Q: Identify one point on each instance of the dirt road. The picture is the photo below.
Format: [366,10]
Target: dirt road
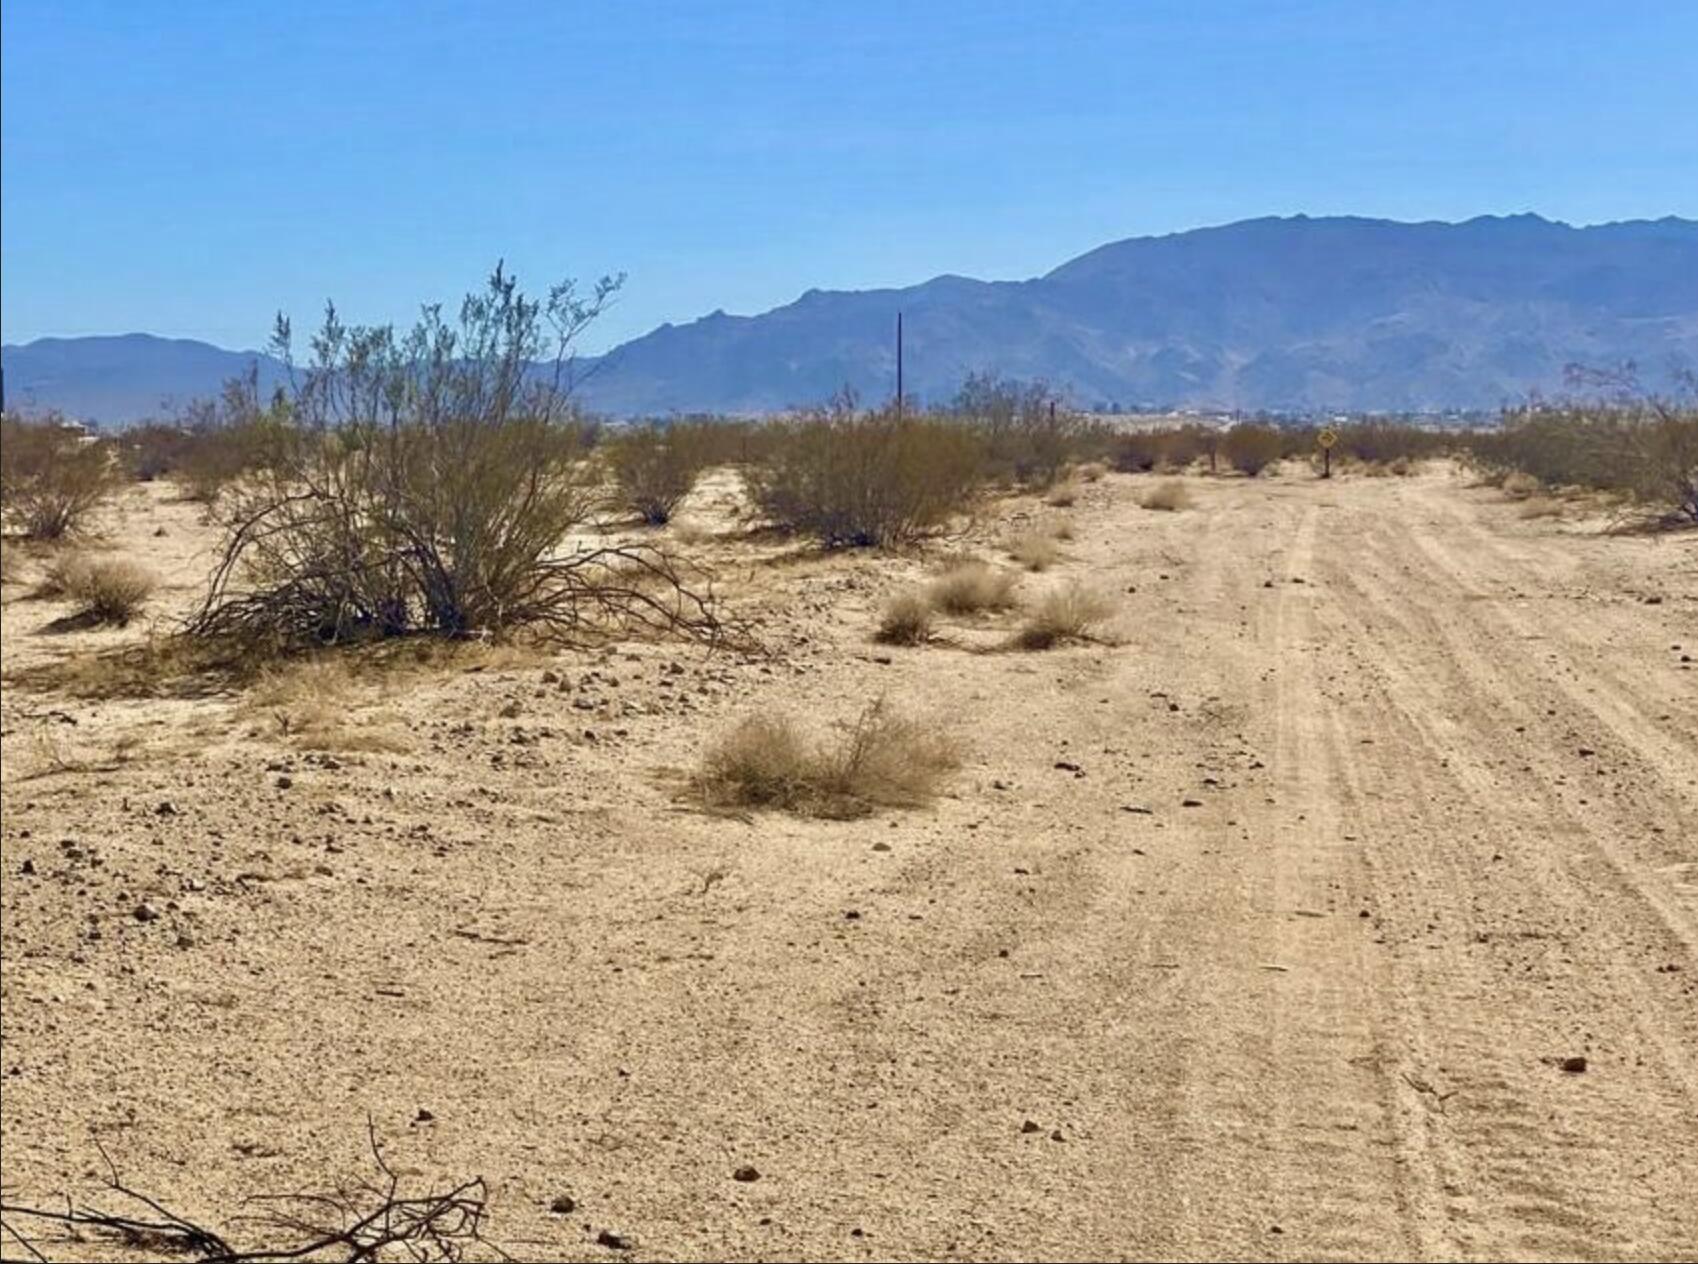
[1263,933]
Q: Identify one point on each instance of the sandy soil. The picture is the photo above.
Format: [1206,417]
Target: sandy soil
[1259,934]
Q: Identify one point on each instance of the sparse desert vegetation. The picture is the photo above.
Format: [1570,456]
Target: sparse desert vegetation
[642,818]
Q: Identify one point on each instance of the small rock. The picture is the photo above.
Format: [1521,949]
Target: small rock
[165,808]
[564,1205]
[745,1174]
[28,866]
[1575,1065]
[145,912]
[881,846]
[1190,803]
[285,781]
[612,1241]
[1586,752]
[424,1116]
[1030,1126]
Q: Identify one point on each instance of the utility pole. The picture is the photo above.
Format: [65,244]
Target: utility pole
[899,368]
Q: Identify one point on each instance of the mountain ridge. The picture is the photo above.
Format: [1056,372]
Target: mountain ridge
[1295,313]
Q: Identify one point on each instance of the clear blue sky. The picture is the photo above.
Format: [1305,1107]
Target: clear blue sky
[188,168]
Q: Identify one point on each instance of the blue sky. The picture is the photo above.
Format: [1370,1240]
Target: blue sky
[189,168]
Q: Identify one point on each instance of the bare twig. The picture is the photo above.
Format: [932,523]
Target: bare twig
[367,1221]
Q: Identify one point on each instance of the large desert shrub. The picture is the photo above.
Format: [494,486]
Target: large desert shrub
[153,449]
[428,482]
[1668,469]
[881,760]
[1250,447]
[52,476]
[853,479]
[655,465]
[1029,436]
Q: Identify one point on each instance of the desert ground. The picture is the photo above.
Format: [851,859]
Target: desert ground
[1263,928]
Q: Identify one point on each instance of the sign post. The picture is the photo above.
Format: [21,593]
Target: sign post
[1326,439]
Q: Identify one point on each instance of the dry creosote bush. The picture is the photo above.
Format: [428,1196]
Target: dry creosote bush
[432,483]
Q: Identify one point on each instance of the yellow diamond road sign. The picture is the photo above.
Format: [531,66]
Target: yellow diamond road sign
[1327,437]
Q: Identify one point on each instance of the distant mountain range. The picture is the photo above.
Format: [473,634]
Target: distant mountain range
[1297,314]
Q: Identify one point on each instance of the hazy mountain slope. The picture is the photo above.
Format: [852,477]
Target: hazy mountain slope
[1280,313]
[122,378]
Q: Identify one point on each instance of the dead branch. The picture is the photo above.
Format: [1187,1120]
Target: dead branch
[360,1223]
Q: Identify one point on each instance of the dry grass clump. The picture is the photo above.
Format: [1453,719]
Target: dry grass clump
[1540,507]
[882,760]
[1066,614]
[1170,497]
[907,620]
[1091,472]
[106,591]
[1033,551]
[1519,486]
[1061,529]
[1063,496]
[970,587]
[317,703]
